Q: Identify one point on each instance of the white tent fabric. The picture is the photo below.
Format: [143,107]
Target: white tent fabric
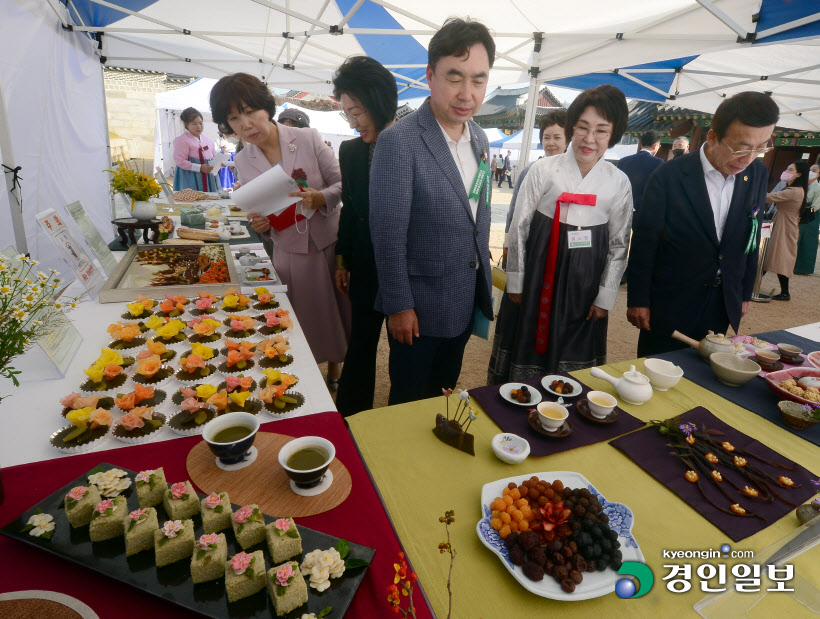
[53,92]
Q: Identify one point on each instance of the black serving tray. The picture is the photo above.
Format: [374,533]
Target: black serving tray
[173,582]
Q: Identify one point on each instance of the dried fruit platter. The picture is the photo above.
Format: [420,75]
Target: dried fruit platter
[594,583]
[157,270]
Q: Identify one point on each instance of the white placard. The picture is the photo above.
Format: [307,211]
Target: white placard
[93,237]
[217,162]
[267,194]
[80,262]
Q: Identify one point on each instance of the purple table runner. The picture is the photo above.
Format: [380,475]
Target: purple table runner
[512,418]
[649,450]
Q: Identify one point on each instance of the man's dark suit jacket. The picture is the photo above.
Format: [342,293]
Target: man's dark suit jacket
[354,224]
[638,168]
[676,254]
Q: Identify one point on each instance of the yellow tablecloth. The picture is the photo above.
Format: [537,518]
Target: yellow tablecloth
[419,478]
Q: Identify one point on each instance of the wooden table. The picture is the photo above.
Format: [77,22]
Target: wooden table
[128,225]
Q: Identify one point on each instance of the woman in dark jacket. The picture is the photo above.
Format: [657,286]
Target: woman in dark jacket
[367,92]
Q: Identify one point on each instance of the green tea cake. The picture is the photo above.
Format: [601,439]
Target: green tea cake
[174,541]
[283,538]
[210,555]
[287,587]
[244,575]
[80,503]
[107,519]
[180,501]
[151,487]
[140,525]
[216,512]
[248,526]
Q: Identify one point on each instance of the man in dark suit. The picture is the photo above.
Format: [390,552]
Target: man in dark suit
[639,167]
[694,246]
[430,217]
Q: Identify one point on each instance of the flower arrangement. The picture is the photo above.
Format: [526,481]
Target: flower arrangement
[133,183]
[29,308]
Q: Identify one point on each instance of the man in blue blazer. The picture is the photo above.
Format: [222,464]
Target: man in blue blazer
[430,237]
[694,252]
[639,167]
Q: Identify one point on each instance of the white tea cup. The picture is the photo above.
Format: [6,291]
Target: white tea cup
[551,415]
[600,403]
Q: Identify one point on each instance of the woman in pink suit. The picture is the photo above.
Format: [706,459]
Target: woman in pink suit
[192,152]
[303,252]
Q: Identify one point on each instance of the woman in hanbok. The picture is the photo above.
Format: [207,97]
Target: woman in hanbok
[192,152]
[303,248]
[563,272]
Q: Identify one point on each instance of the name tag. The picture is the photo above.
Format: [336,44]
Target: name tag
[580,238]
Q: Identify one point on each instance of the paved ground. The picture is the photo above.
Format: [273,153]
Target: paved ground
[622,341]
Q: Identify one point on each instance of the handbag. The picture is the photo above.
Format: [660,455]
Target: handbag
[807,215]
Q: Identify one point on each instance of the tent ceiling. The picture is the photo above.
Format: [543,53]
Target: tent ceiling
[292,43]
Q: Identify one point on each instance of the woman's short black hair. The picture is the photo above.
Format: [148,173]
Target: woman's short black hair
[553,117]
[609,102]
[189,114]
[237,90]
[367,81]
[456,37]
[755,109]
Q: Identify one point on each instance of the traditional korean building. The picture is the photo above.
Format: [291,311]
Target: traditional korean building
[505,108]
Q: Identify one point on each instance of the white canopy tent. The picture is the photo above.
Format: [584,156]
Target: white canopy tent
[299,45]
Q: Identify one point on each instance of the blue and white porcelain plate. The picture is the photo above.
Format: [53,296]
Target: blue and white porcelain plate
[595,584]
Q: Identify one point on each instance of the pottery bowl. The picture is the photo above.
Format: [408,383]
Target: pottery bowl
[312,477]
[233,452]
[662,374]
[510,448]
[766,358]
[773,379]
[814,358]
[789,351]
[733,370]
[791,413]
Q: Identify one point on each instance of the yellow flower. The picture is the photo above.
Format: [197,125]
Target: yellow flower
[239,397]
[154,322]
[170,329]
[273,376]
[230,301]
[80,416]
[206,352]
[109,357]
[5,290]
[95,372]
[260,290]
[135,309]
[205,391]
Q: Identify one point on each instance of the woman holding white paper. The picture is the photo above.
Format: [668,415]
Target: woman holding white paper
[304,248]
[192,154]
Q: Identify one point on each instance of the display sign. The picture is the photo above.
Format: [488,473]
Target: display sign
[92,237]
[80,262]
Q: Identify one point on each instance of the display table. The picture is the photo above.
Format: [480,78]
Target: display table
[34,409]
[360,518]
[420,477]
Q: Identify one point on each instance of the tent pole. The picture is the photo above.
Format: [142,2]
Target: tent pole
[111,206]
[15,199]
[532,105]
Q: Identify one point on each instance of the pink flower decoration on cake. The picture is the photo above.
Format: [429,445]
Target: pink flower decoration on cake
[130,421]
[192,405]
[283,524]
[69,399]
[101,416]
[144,354]
[212,500]
[284,574]
[243,514]
[171,528]
[195,321]
[179,489]
[231,382]
[138,513]
[241,562]
[203,304]
[207,540]
[144,476]
[237,325]
[104,505]
[89,401]
[77,493]
[188,392]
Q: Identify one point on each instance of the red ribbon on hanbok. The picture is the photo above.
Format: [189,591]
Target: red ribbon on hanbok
[542,332]
[204,174]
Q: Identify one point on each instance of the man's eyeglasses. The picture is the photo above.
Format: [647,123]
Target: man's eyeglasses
[598,134]
[353,117]
[737,154]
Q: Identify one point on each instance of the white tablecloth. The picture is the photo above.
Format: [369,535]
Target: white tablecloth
[31,413]
[810,332]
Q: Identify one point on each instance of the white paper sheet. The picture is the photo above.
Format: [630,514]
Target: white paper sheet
[217,162]
[267,194]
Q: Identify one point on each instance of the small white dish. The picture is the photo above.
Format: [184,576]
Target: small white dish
[662,374]
[576,386]
[510,448]
[535,395]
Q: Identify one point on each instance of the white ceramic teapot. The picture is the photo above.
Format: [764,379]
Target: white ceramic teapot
[633,387]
